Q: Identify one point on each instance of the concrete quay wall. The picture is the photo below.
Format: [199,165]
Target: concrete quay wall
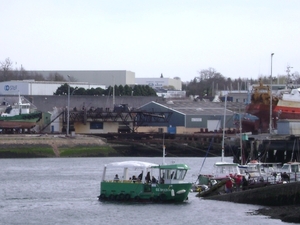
[273,195]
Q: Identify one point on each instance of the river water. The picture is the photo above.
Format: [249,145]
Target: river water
[64,191]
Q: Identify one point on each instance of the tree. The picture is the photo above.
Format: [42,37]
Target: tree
[6,65]
[62,90]
[81,91]
[6,69]
[208,81]
[121,90]
[127,90]
[55,77]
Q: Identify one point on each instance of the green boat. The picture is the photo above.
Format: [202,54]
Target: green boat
[19,116]
[155,183]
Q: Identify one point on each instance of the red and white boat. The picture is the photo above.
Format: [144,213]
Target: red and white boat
[260,108]
[288,106]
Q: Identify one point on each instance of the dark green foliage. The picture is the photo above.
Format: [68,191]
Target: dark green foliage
[86,151]
[26,152]
[137,90]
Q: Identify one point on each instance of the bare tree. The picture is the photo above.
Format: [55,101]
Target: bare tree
[55,77]
[6,65]
[6,69]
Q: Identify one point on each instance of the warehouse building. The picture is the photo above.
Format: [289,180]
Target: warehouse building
[189,116]
[103,77]
[31,87]
[158,83]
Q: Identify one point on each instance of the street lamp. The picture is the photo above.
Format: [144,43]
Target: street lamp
[68,110]
[270,123]
[224,124]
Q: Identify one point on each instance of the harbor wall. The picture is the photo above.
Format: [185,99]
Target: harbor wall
[273,195]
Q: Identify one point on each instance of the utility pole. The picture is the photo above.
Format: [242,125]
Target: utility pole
[270,123]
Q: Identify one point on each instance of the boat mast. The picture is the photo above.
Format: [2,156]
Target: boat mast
[20,104]
[223,139]
[241,142]
[164,149]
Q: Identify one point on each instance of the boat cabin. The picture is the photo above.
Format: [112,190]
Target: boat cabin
[17,109]
[171,174]
[262,172]
[224,169]
[292,169]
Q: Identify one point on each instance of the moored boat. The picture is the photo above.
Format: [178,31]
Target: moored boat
[215,182]
[19,116]
[221,173]
[250,123]
[288,106]
[291,171]
[261,174]
[156,183]
[260,108]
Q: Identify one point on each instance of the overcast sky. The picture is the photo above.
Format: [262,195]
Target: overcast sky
[176,38]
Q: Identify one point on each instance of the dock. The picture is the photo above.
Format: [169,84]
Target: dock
[272,195]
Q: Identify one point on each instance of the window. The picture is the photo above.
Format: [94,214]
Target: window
[96,126]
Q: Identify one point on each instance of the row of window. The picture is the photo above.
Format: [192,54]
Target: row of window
[96,125]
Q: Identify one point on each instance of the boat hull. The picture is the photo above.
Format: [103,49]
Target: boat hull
[287,110]
[130,191]
[262,111]
[23,121]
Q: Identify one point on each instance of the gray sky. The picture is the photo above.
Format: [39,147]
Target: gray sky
[177,38]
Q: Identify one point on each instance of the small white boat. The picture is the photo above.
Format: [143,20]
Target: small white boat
[258,172]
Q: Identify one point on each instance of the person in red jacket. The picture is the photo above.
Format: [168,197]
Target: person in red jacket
[228,185]
[238,182]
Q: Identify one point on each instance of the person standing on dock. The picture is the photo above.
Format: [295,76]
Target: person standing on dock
[228,185]
[238,182]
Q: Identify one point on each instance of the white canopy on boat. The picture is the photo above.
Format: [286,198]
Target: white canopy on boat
[131,164]
[126,166]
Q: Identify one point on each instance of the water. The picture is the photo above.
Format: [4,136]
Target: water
[65,190]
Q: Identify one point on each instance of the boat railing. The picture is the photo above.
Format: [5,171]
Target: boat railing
[294,176]
[122,181]
[141,182]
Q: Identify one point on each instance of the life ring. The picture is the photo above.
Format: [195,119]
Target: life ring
[156,199]
[102,197]
[121,197]
[127,197]
[112,197]
[162,197]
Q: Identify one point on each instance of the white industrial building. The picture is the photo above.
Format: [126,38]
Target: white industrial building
[87,80]
[104,77]
[31,87]
[113,77]
[157,83]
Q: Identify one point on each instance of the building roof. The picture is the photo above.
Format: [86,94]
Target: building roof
[190,107]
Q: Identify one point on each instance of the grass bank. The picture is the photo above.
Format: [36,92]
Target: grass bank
[95,151]
[35,146]
[47,151]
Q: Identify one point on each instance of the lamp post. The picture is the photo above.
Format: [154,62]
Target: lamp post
[68,109]
[224,124]
[270,123]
